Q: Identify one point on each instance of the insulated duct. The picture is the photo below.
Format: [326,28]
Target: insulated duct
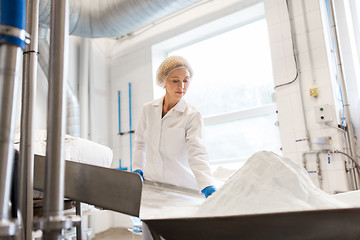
[113,18]
[73,108]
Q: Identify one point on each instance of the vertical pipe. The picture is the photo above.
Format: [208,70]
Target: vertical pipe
[297,67]
[350,128]
[55,162]
[119,112]
[12,14]
[84,87]
[26,165]
[10,59]
[78,227]
[130,126]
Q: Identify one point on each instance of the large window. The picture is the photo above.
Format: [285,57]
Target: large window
[232,70]
[232,87]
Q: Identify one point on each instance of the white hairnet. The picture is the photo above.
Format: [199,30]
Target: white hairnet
[169,65]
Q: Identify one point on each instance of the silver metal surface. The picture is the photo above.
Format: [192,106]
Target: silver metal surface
[315,225]
[15,32]
[10,60]
[55,164]
[173,188]
[8,228]
[57,222]
[107,188]
[161,200]
[113,18]
[26,164]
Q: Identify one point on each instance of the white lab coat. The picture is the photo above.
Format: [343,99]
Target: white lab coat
[171,149]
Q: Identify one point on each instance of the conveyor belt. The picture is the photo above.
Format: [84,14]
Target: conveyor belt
[110,189]
[302,225]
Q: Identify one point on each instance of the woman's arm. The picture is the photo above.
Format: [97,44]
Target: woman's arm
[198,156]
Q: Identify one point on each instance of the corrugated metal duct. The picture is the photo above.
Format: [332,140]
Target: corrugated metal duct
[113,18]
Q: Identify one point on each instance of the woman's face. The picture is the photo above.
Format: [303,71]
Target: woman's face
[177,83]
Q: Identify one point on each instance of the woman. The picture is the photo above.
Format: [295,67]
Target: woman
[168,145]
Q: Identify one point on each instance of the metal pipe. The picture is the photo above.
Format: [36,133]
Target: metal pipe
[119,112]
[78,227]
[130,127]
[55,164]
[318,165]
[84,87]
[350,157]
[12,42]
[10,59]
[319,173]
[298,72]
[350,128]
[26,165]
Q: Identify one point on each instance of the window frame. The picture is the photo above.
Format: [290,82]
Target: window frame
[241,18]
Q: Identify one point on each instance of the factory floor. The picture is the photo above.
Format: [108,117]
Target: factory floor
[117,234]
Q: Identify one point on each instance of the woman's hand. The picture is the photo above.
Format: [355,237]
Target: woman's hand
[208,191]
[138,171]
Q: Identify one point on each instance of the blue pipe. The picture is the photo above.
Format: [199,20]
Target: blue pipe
[130,127]
[13,14]
[119,112]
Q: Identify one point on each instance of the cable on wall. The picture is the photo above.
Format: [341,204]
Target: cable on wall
[294,54]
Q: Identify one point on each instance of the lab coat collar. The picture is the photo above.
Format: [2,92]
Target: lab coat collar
[180,106]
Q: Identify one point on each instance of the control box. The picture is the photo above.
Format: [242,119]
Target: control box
[323,113]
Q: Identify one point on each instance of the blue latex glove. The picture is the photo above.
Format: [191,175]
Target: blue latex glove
[138,171]
[208,191]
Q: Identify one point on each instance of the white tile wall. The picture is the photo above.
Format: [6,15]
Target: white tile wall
[275,32]
[314,20]
[337,180]
[314,72]
[311,5]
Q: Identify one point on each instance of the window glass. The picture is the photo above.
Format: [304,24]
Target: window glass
[241,138]
[232,70]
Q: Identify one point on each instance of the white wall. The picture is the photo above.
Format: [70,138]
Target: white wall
[136,69]
[295,105]
[99,97]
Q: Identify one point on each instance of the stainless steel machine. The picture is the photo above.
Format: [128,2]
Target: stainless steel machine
[315,225]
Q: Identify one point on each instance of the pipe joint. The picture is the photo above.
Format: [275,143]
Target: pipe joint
[14,36]
[8,228]
[13,22]
[57,222]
